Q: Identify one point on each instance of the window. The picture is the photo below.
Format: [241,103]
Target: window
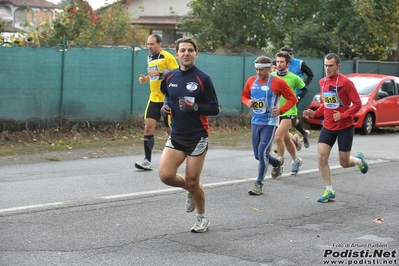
[397,87]
[388,87]
[169,36]
[158,32]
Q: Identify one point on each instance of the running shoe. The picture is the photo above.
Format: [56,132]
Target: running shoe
[281,170]
[297,142]
[256,189]
[190,205]
[364,167]
[327,196]
[306,139]
[201,225]
[143,165]
[295,166]
[276,170]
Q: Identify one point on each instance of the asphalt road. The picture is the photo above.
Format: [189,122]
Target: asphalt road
[104,212]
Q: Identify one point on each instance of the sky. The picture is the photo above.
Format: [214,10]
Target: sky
[95,4]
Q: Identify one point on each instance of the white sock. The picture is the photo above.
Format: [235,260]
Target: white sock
[330,188]
[359,162]
[200,215]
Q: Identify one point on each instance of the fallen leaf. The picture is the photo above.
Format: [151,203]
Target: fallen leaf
[254,209]
[378,220]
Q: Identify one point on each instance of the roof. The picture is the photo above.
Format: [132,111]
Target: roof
[31,3]
[369,75]
[157,20]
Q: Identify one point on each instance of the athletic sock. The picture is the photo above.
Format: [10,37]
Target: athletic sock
[148,146]
[300,128]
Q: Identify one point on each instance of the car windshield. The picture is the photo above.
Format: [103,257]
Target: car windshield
[364,85]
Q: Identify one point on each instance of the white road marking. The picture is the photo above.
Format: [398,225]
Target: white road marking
[161,191]
[37,206]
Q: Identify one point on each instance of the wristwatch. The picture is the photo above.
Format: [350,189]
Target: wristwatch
[195,107]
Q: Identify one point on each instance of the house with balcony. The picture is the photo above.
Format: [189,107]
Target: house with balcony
[15,13]
[162,17]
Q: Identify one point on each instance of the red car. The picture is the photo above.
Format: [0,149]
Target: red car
[380,102]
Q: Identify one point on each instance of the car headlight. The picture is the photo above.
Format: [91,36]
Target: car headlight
[316,98]
[364,100]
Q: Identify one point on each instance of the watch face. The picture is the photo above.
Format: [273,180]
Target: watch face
[195,107]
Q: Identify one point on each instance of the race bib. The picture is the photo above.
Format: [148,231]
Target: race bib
[331,100]
[153,68]
[259,106]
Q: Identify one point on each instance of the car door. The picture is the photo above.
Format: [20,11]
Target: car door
[388,107]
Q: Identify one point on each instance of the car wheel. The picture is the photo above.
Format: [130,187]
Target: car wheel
[368,124]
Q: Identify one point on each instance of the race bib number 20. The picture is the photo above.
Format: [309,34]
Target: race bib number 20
[259,107]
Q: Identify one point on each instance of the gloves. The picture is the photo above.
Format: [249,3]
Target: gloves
[165,110]
[187,106]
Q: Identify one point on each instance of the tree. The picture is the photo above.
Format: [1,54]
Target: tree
[84,27]
[287,22]
[381,19]
[115,27]
[217,23]
[355,29]
[39,34]
[64,3]
[77,22]
[364,29]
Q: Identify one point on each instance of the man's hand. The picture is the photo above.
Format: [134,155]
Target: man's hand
[250,103]
[143,79]
[336,116]
[308,113]
[187,106]
[165,110]
[276,111]
[154,72]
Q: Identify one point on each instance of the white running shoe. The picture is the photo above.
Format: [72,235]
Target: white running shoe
[143,165]
[201,225]
[256,189]
[306,139]
[295,166]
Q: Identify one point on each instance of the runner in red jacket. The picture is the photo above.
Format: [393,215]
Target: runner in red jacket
[340,102]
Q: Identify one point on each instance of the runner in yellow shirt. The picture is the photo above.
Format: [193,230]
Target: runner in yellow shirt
[159,63]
